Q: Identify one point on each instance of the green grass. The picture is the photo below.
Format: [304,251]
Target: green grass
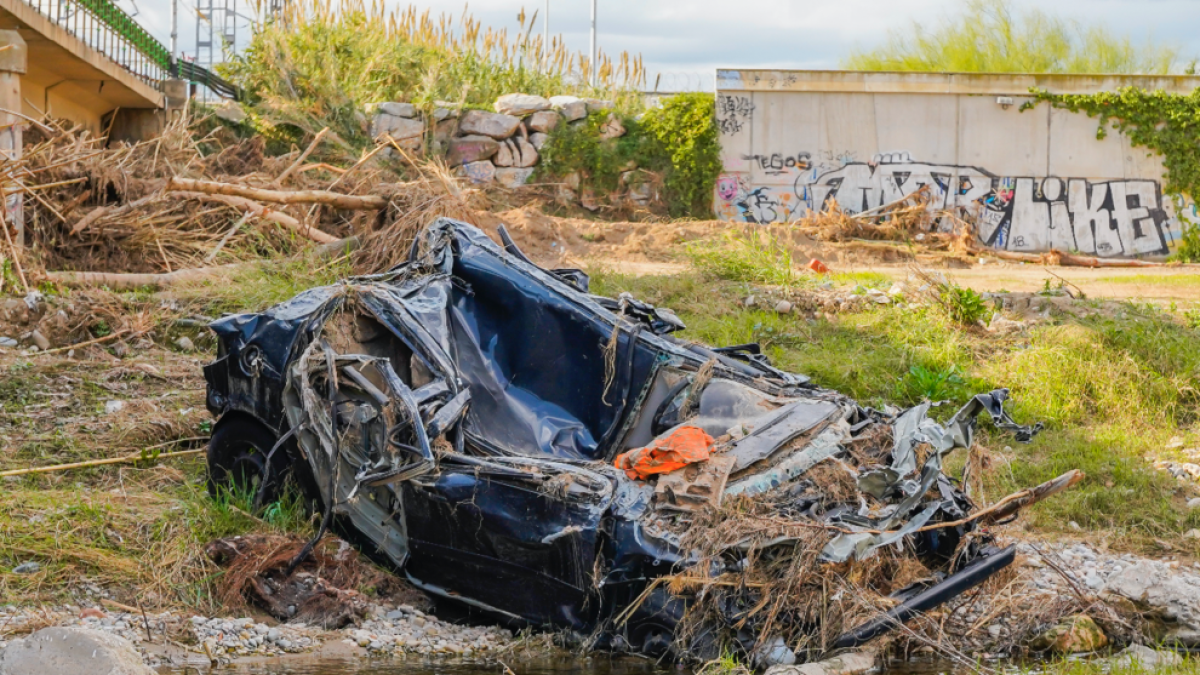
[868,279]
[752,256]
[1110,390]
[257,286]
[1189,666]
[1172,280]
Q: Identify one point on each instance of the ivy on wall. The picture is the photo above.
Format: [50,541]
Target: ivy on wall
[678,141]
[1166,123]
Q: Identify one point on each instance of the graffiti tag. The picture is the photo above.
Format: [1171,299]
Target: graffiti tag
[733,113]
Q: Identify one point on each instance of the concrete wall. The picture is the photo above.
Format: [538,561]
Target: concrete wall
[792,141]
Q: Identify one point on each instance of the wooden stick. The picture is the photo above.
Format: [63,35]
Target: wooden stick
[278,182]
[128,459]
[228,235]
[12,249]
[101,211]
[116,605]
[357,164]
[334,199]
[258,210]
[85,343]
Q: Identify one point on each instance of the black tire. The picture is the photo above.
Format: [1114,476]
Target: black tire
[237,456]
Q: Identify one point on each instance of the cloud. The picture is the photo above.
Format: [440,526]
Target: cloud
[692,39]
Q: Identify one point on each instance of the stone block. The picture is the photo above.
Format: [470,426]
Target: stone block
[483,123]
[516,152]
[398,109]
[470,149]
[598,105]
[612,128]
[572,107]
[479,172]
[398,128]
[513,177]
[543,121]
[538,140]
[521,104]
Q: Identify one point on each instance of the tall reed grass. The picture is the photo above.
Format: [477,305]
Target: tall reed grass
[323,60]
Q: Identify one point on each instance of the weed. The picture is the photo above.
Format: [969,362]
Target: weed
[966,305]
[753,257]
[932,384]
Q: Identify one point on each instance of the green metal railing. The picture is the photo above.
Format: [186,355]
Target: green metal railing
[106,28]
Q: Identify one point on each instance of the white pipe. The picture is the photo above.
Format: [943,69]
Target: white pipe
[174,31]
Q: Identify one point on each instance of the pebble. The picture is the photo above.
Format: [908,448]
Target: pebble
[27,568]
[185,343]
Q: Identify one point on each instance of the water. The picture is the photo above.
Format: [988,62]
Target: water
[564,665]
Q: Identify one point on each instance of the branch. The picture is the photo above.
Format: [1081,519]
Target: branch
[258,210]
[334,199]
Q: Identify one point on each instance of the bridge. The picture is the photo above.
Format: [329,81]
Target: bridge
[89,62]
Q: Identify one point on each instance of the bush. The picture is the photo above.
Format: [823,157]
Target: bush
[327,59]
[677,141]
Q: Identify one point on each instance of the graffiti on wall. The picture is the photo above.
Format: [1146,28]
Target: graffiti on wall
[1019,213]
[734,113]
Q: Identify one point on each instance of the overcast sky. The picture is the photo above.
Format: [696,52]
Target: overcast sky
[687,39]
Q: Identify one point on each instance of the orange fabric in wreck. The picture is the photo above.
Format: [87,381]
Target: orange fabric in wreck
[685,445]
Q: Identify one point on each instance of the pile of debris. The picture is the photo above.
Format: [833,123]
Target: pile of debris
[199,196]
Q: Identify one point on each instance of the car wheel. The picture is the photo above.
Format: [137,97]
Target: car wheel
[237,457]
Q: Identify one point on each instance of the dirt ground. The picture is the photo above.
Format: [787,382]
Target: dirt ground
[645,249]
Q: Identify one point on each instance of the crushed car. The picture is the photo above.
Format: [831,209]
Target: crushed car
[506,440]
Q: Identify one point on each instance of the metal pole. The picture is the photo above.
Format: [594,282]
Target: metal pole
[546,34]
[593,49]
[174,32]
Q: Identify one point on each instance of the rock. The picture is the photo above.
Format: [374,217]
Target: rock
[516,152]
[399,128]
[1193,503]
[113,407]
[538,141]
[1073,635]
[612,128]
[30,567]
[185,343]
[598,105]
[440,114]
[1148,659]
[8,342]
[526,155]
[40,340]
[571,107]
[774,653]
[852,663]
[513,177]
[1155,587]
[397,109]
[543,120]
[587,199]
[231,112]
[521,104]
[641,193]
[72,651]
[92,613]
[1192,534]
[470,149]
[479,172]
[783,307]
[494,125]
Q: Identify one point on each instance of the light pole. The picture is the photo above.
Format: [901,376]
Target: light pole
[174,35]
[595,71]
[546,33]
